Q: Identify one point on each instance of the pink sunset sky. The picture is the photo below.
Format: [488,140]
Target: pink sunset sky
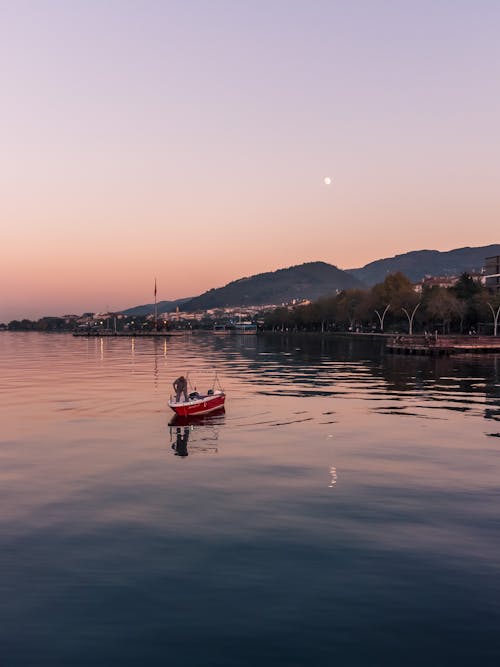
[189,140]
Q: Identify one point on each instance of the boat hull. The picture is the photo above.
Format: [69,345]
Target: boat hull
[201,406]
[198,420]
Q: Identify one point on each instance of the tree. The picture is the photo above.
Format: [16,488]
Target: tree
[352,306]
[393,294]
[466,287]
[483,306]
[395,290]
[443,304]
[280,318]
[14,325]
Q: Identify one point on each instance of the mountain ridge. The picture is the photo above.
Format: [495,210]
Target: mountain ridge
[302,281]
[312,280]
[148,308]
[416,264]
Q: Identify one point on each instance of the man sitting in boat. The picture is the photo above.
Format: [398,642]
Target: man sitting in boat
[180,387]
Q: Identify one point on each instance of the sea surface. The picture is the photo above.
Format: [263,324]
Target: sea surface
[345,510]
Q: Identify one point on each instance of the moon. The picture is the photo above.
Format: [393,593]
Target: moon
[327,180]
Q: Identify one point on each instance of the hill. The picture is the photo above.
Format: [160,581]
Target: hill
[305,281]
[148,308]
[419,263]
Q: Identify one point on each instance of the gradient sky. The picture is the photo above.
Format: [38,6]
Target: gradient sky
[189,140]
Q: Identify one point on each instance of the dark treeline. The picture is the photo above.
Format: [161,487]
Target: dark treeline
[43,324]
[69,324]
[395,306]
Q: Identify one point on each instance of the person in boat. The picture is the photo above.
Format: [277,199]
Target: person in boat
[180,387]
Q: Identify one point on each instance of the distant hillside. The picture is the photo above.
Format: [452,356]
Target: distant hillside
[315,279]
[420,263]
[148,308]
[306,281]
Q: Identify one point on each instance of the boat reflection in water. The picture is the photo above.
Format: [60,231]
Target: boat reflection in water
[181,441]
[202,433]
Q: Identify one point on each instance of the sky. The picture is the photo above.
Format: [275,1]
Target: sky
[189,140]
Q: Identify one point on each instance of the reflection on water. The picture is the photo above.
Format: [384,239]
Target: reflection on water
[345,508]
[181,441]
[201,431]
[333,475]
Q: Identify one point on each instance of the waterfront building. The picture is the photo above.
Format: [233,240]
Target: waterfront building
[492,272]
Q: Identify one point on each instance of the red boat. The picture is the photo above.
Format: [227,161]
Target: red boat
[198,404]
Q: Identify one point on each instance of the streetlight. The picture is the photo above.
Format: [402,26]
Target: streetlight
[381,317]
[495,317]
[410,318]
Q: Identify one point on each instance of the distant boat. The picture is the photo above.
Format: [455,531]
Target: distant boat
[245,328]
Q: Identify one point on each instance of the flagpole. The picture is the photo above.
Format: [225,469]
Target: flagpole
[156,311]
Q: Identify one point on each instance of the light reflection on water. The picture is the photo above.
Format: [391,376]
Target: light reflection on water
[345,508]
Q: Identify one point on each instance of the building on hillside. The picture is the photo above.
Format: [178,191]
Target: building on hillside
[86,318]
[478,277]
[294,303]
[492,272]
[435,281]
[447,281]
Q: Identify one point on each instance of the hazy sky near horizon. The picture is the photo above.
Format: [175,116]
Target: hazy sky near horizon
[189,140]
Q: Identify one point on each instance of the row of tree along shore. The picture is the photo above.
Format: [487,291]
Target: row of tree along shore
[393,306]
[115,324]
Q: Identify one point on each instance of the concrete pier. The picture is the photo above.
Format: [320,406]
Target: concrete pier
[435,346]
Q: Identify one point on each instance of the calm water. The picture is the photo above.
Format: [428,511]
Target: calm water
[344,511]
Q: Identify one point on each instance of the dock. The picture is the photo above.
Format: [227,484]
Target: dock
[131,334]
[436,346]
